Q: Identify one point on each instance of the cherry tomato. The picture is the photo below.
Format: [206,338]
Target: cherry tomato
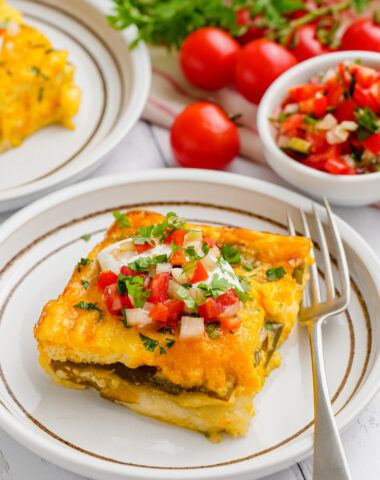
[308,44]
[106,278]
[160,285]
[178,257]
[253,32]
[202,136]
[363,34]
[207,58]
[259,64]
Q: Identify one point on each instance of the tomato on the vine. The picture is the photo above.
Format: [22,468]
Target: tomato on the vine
[202,136]
[254,31]
[307,44]
[259,64]
[208,58]
[363,34]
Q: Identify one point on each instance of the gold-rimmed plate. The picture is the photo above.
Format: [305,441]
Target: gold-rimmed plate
[81,431]
[114,81]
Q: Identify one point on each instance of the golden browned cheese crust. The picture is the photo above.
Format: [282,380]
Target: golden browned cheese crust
[65,333]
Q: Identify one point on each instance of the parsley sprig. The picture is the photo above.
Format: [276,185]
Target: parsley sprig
[133,286]
[142,264]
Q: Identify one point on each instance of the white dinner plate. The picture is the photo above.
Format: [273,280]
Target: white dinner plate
[80,431]
[114,81]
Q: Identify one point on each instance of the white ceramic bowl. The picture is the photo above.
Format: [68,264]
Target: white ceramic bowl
[339,189]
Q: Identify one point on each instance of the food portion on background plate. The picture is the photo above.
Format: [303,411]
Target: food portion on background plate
[331,123]
[176,321]
[36,82]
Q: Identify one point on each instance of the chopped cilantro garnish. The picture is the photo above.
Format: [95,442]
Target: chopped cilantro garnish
[123,219]
[160,229]
[211,330]
[249,268]
[124,318]
[230,254]
[90,306]
[165,330]
[244,282]
[134,286]
[368,122]
[187,285]
[37,71]
[310,120]
[144,236]
[85,283]
[162,350]
[269,325]
[40,94]
[205,248]
[188,300]
[149,343]
[86,237]
[244,297]
[219,285]
[175,248]
[191,253]
[275,273]
[170,342]
[83,262]
[142,263]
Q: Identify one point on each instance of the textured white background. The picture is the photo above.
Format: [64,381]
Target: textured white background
[148,147]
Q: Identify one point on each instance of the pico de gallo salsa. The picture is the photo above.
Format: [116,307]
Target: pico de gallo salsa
[332,123]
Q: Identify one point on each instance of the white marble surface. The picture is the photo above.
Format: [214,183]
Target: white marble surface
[148,147]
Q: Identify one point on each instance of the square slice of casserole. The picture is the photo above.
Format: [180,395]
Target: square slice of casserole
[36,82]
[175,321]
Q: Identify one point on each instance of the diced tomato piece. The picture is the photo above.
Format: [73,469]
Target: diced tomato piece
[317,140]
[230,323]
[175,307]
[128,272]
[345,110]
[210,242]
[337,166]
[126,301]
[159,313]
[334,94]
[318,160]
[292,122]
[365,76]
[144,247]
[304,92]
[227,299]
[317,106]
[112,299]
[209,309]
[106,278]
[159,287]
[364,98]
[200,273]
[344,75]
[176,237]
[373,143]
[178,257]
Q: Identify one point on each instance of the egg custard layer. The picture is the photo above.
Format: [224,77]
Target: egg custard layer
[178,322]
[36,82]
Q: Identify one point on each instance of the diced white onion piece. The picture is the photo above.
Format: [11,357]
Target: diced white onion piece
[196,294]
[209,262]
[148,307]
[327,122]
[195,236]
[137,316]
[283,141]
[164,267]
[127,246]
[191,327]
[231,310]
[13,28]
[215,251]
[291,108]
[349,160]
[179,276]
[173,287]
[329,74]
[349,125]
[375,90]
[336,135]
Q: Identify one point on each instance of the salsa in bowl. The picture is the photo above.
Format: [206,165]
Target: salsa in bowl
[320,126]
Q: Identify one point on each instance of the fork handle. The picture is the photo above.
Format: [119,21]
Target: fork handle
[329,459]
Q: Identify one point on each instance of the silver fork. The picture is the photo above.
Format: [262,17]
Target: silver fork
[329,459]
